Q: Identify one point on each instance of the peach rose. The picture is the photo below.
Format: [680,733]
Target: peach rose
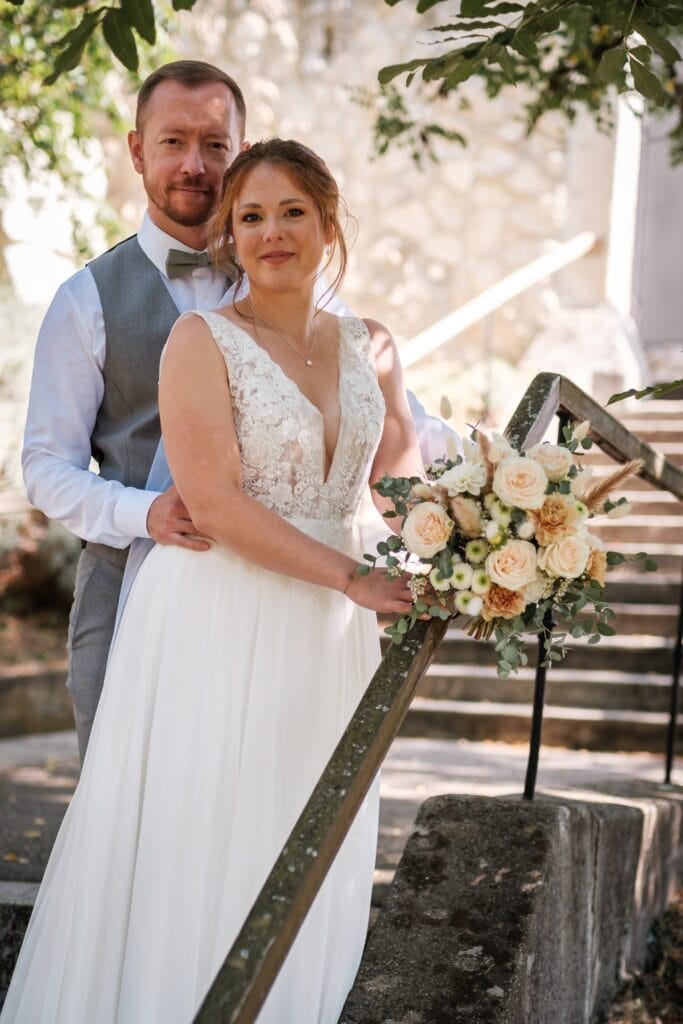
[557,518]
[426,529]
[513,565]
[520,482]
[596,567]
[566,558]
[499,602]
[555,460]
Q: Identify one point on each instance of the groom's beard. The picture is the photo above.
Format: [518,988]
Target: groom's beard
[189,202]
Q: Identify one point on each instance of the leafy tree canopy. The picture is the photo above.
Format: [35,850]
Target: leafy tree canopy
[569,56]
[56,72]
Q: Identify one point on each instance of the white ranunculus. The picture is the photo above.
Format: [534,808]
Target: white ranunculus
[494,532]
[520,482]
[514,565]
[566,558]
[555,460]
[426,529]
[467,478]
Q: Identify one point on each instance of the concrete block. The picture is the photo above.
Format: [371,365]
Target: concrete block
[509,912]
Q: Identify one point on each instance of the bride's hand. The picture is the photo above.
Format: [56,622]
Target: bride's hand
[381,593]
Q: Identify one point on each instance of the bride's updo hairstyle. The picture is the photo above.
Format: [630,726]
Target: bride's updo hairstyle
[309,172]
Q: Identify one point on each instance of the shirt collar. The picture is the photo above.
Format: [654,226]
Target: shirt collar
[155,243]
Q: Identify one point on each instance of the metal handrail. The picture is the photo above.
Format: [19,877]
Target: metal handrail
[252,964]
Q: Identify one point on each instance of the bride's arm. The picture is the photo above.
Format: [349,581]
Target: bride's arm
[203,453]
[399,451]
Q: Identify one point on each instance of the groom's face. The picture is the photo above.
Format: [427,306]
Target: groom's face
[187,139]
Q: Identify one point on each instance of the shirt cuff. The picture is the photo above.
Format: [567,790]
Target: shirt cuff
[130,514]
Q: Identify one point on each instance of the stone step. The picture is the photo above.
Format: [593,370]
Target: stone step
[573,728]
[632,653]
[639,529]
[655,432]
[566,687]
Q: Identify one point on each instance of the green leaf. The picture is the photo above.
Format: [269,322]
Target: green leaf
[140,15]
[392,71]
[363,570]
[658,42]
[523,42]
[473,8]
[183,5]
[82,32]
[615,558]
[656,390]
[425,5]
[71,57]
[642,53]
[647,84]
[650,565]
[119,37]
[611,64]
[401,626]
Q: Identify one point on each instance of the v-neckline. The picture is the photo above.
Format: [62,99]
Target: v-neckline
[325,476]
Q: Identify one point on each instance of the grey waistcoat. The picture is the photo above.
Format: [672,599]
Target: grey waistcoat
[138,316]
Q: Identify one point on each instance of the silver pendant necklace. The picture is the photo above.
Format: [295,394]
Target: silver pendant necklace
[308,359]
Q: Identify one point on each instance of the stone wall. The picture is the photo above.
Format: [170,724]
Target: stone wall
[427,240]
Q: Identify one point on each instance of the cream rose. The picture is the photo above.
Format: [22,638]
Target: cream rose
[566,558]
[513,566]
[499,449]
[555,460]
[426,529]
[520,482]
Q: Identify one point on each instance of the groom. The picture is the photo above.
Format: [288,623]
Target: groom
[94,386]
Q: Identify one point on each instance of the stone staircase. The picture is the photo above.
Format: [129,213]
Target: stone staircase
[613,696]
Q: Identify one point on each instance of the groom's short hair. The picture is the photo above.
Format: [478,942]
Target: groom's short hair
[190,73]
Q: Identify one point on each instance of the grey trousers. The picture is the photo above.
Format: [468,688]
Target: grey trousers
[91,624]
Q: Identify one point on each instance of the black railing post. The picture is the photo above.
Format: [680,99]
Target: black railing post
[673,704]
[539,681]
[537,713]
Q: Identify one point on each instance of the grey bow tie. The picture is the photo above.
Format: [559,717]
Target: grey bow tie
[179,262]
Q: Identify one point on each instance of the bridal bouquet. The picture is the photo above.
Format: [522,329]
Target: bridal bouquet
[502,537]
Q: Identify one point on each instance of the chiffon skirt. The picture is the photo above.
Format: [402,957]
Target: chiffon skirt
[227,690]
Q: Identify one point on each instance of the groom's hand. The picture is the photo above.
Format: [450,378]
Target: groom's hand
[168,522]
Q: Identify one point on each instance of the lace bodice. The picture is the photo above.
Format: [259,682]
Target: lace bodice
[280,431]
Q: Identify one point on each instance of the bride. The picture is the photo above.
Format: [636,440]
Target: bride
[235,671]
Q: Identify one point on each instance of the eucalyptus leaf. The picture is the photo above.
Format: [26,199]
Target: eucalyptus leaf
[664,47]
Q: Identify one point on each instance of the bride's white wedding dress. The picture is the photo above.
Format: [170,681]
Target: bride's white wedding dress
[227,689]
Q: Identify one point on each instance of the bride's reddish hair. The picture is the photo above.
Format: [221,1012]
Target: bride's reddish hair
[309,171]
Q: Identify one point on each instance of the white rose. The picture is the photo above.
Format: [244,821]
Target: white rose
[566,558]
[514,565]
[520,482]
[426,529]
[467,478]
[555,460]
